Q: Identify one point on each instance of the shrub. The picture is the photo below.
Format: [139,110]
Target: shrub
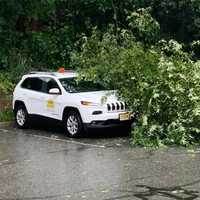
[6,85]
[6,116]
[17,64]
[164,91]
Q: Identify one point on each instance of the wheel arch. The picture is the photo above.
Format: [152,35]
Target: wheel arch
[68,109]
[18,103]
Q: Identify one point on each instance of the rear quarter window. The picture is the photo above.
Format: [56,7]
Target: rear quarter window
[32,84]
[26,84]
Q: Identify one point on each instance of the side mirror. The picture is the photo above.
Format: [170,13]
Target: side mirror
[54,91]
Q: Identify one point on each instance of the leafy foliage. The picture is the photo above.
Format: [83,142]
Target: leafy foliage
[148,50]
[178,19]
[46,30]
[6,116]
[54,45]
[144,27]
[164,91]
[6,85]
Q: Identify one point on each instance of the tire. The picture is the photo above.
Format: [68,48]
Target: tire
[21,117]
[73,124]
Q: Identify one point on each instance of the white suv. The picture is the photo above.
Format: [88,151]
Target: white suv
[78,104]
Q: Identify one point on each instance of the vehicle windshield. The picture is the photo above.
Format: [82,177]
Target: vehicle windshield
[72,85]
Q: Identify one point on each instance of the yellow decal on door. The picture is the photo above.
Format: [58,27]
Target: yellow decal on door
[50,104]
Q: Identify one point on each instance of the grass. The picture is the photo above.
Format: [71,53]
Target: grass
[6,116]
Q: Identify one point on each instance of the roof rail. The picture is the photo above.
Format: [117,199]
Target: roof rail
[42,73]
[70,70]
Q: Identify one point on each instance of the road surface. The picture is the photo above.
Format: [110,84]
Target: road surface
[42,164]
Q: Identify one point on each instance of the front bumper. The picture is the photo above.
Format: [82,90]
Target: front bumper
[109,123]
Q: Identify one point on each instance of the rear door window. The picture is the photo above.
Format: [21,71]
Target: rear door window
[48,83]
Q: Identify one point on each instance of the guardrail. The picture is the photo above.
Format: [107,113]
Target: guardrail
[5,102]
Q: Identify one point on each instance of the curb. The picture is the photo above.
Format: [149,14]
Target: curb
[10,123]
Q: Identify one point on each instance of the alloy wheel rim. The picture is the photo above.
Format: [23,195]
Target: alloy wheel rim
[21,118]
[72,125]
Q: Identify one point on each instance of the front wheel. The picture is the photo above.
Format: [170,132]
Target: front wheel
[21,117]
[73,124]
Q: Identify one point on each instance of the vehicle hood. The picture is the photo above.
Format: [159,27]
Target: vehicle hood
[100,97]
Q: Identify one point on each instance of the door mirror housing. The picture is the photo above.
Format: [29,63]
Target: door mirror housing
[54,91]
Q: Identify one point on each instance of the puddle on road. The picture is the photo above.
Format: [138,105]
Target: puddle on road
[176,193]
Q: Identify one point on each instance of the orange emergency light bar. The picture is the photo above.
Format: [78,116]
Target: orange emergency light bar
[61,70]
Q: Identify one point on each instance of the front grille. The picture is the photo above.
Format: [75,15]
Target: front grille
[117,106]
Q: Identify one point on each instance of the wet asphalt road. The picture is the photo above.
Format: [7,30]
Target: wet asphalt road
[42,164]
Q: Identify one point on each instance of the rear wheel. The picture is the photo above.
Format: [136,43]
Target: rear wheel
[73,124]
[21,117]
